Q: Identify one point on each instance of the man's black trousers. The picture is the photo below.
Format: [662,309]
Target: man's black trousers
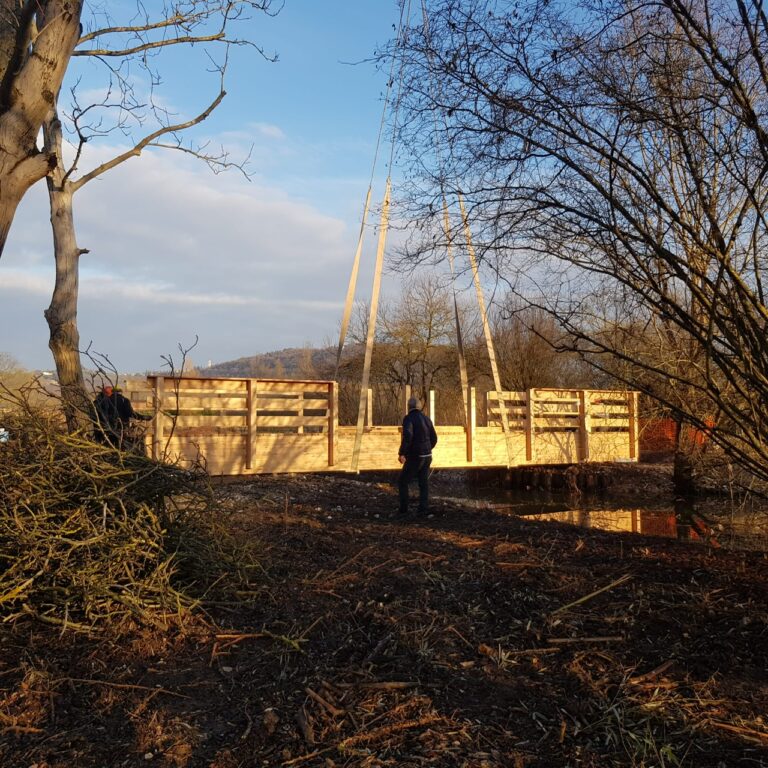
[415,469]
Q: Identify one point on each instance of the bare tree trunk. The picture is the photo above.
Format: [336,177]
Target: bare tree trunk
[61,315]
[682,468]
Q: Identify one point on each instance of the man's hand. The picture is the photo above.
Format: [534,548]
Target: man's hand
[401,459]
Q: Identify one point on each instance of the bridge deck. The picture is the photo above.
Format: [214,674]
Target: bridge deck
[253,426]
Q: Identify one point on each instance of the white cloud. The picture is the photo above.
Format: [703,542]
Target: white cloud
[17,281]
[176,251]
[268,131]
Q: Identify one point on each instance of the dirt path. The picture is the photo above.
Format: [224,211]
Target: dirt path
[467,639]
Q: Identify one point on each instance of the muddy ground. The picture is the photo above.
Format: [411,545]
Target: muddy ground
[468,639]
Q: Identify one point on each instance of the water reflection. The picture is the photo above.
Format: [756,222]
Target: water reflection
[714,521]
[645,521]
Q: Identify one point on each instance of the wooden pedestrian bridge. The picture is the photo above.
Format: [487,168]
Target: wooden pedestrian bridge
[255,426]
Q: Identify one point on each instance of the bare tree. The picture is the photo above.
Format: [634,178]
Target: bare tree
[614,162]
[416,331]
[37,38]
[125,48]
[526,340]
[12,378]
[414,346]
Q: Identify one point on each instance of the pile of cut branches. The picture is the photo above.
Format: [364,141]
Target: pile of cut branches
[90,536]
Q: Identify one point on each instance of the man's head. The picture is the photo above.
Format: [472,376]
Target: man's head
[107,390]
[414,404]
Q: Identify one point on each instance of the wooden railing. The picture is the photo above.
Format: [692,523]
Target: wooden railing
[589,414]
[237,426]
[249,426]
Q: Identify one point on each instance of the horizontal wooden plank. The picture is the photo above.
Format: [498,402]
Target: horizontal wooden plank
[271,420]
[289,387]
[317,383]
[289,403]
[204,386]
[199,403]
[514,398]
[299,441]
[207,431]
[553,395]
[602,409]
[608,400]
[140,394]
[347,430]
[184,395]
[238,379]
[199,420]
[515,420]
[208,413]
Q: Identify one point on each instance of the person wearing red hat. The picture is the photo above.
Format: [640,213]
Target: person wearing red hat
[106,420]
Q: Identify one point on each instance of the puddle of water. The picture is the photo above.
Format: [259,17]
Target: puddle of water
[644,521]
[713,521]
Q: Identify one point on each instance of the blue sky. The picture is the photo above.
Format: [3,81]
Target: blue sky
[177,251]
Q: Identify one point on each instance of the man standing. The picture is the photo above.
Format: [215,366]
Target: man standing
[105,417]
[113,414]
[415,454]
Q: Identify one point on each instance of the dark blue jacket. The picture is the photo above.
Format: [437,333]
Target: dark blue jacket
[419,436]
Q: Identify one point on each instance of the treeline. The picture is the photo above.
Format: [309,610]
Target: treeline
[12,375]
[415,345]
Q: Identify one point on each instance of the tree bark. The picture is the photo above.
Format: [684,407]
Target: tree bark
[36,44]
[17,175]
[683,476]
[61,315]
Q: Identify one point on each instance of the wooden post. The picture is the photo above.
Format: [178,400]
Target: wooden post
[634,437]
[432,405]
[250,436]
[333,411]
[369,408]
[529,426]
[158,420]
[585,424]
[300,410]
[407,397]
[471,423]
[636,402]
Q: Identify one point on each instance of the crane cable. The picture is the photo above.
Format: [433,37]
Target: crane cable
[376,289]
[459,337]
[486,328]
[358,251]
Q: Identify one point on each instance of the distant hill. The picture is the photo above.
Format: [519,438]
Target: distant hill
[292,363]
